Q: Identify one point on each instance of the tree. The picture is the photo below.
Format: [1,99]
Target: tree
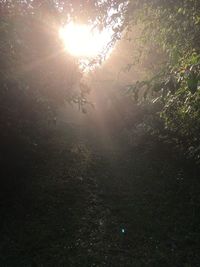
[36,75]
[172,27]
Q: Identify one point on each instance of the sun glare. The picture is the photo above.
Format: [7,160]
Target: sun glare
[84,42]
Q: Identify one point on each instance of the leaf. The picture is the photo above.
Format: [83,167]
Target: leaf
[192,84]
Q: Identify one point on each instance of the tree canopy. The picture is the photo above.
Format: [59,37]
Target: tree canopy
[173,28]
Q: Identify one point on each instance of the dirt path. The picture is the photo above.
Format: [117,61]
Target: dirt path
[84,207]
[60,218]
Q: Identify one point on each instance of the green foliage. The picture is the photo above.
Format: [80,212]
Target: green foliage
[173,27]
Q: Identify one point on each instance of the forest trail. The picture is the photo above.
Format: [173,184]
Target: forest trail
[61,219]
[99,133]
[96,207]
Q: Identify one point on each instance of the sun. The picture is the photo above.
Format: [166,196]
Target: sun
[82,41]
